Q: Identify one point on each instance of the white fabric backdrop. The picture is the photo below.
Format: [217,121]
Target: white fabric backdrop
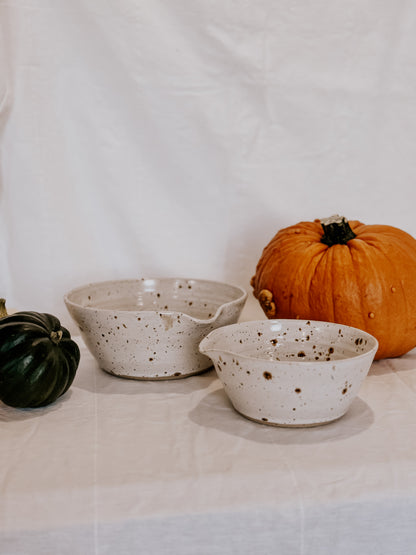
[174,138]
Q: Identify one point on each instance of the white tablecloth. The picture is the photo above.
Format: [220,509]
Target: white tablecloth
[157,139]
[121,466]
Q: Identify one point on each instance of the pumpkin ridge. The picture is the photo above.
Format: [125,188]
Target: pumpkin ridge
[398,280]
[50,377]
[323,259]
[17,344]
[333,252]
[69,377]
[294,301]
[54,389]
[334,283]
[357,268]
[24,326]
[391,336]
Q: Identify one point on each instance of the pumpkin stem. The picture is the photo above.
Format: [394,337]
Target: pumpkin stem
[56,336]
[337,231]
[3,311]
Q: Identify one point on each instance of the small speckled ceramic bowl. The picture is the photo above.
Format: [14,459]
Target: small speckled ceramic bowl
[290,372]
[151,328]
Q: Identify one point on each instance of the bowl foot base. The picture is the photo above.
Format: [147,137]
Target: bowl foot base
[284,425]
[175,376]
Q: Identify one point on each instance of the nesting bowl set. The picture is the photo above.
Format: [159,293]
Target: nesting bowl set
[277,372]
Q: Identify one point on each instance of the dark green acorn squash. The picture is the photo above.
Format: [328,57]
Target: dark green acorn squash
[38,359]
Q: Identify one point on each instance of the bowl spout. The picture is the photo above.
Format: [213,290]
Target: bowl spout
[208,347]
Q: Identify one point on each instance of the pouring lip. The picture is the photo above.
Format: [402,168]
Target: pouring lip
[71,303]
[239,300]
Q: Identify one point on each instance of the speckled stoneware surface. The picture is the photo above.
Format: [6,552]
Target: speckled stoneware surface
[151,328]
[290,372]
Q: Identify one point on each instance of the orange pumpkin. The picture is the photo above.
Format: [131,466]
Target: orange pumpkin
[346,272]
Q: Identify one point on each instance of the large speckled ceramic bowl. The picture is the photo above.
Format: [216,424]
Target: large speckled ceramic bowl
[290,372]
[151,328]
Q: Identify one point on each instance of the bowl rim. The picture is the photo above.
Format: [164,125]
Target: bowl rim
[253,323]
[104,311]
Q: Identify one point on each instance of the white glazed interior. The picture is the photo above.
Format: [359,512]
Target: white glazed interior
[291,372]
[151,328]
[200,299]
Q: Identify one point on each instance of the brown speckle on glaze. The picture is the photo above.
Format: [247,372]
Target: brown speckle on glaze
[312,386]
